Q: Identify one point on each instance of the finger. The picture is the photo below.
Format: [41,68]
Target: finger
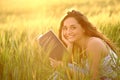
[53,60]
[63,38]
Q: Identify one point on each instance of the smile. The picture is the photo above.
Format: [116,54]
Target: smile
[69,37]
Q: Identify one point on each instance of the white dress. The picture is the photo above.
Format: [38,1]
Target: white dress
[108,65]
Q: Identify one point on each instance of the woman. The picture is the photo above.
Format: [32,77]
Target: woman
[90,49]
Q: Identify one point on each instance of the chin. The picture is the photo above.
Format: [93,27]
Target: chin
[71,40]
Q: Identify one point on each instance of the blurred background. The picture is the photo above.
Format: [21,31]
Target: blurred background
[22,21]
[41,12]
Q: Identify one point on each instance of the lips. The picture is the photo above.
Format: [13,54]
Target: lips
[69,37]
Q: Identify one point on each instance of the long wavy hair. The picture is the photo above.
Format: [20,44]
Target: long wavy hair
[90,30]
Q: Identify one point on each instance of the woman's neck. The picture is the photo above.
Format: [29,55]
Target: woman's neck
[82,43]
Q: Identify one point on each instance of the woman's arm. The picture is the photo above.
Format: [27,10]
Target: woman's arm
[95,49]
[69,44]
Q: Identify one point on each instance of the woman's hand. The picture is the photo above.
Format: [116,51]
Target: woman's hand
[55,63]
[67,42]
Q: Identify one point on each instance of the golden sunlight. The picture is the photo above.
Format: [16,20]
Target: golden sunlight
[22,5]
[8,5]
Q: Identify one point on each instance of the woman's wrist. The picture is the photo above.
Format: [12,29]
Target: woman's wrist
[70,47]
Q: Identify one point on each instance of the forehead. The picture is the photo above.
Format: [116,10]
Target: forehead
[70,20]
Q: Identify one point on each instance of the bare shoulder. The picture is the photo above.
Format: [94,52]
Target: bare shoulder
[96,45]
[95,41]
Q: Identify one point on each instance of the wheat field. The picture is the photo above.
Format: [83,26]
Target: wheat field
[20,56]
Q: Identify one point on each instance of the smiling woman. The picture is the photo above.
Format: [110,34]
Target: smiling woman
[91,53]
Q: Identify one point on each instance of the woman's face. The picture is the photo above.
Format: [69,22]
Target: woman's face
[72,30]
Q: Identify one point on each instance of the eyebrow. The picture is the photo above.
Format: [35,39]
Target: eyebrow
[70,25]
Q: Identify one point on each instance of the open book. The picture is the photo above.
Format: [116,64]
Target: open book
[52,45]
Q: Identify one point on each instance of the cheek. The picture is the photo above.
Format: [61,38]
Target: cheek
[79,34]
[63,33]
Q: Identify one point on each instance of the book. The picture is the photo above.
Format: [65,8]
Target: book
[52,45]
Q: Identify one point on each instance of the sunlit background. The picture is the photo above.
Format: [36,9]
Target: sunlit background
[37,12]
[48,13]
[22,21]
[43,15]
[21,5]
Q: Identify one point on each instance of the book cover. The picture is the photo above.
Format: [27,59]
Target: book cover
[52,45]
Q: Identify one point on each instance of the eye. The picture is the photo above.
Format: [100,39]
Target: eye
[73,27]
[64,28]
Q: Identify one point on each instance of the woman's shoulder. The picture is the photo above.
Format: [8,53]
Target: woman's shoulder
[96,44]
[92,41]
